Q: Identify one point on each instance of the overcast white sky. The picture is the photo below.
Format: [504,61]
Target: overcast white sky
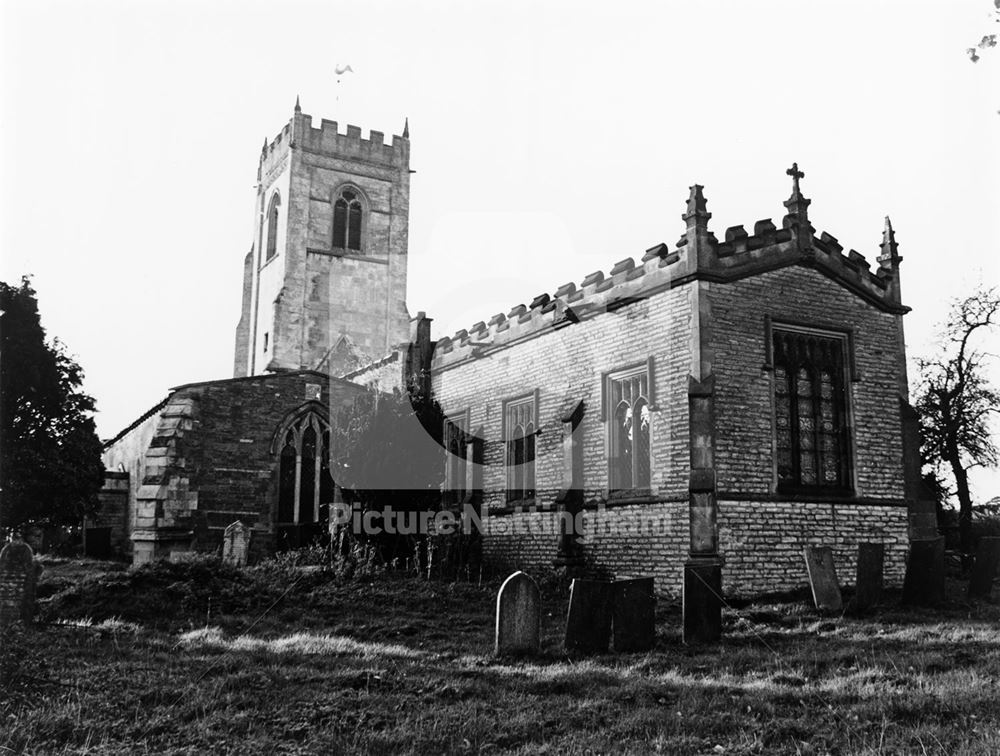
[550,140]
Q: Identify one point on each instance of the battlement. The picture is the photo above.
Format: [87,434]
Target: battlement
[328,140]
[626,283]
[697,256]
[299,133]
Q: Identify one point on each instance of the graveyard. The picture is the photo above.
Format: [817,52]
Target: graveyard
[295,656]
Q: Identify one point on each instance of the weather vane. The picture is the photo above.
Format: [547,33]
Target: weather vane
[340,70]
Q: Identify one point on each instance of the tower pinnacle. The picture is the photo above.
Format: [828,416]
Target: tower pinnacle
[298,108]
[890,250]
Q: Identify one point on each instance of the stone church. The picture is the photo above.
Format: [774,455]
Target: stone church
[702,412]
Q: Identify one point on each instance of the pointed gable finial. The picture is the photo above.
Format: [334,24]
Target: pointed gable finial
[406,128]
[697,207]
[890,250]
[298,108]
[797,204]
[264,148]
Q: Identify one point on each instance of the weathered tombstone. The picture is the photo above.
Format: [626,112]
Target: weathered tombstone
[634,615]
[868,586]
[823,578]
[519,616]
[18,576]
[702,600]
[986,568]
[924,581]
[588,622]
[236,544]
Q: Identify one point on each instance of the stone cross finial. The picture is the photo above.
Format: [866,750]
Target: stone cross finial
[797,204]
[796,174]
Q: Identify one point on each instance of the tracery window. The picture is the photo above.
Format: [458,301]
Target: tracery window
[305,484]
[456,443]
[629,404]
[810,410]
[520,426]
[272,226]
[347,212]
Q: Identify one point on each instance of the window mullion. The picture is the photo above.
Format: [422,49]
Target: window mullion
[793,419]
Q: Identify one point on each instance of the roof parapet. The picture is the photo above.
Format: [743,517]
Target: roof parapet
[741,255]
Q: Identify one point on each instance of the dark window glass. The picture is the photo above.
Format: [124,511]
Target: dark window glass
[340,224]
[307,478]
[272,227]
[286,480]
[456,444]
[354,228]
[810,411]
[305,482]
[520,430]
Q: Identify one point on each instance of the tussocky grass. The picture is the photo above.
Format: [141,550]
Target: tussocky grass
[397,665]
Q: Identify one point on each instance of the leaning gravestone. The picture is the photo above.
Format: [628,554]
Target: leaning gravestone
[634,615]
[986,568]
[588,622]
[236,544]
[868,587]
[823,578]
[519,616]
[924,581]
[18,576]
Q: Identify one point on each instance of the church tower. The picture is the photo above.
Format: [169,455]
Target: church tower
[324,284]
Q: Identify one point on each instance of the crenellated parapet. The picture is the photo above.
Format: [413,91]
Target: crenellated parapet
[299,133]
[697,256]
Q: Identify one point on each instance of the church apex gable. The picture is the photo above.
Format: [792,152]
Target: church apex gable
[698,255]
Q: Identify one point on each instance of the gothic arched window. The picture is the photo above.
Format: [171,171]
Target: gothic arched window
[272,227]
[520,427]
[628,395]
[456,442]
[305,485]
[347,214]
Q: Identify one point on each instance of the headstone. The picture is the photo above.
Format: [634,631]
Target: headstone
[868,586]
[18,577]
[985,570]
[236,544]
[588,622]
[634,615]
[823,578]
[519,616]
[924,581]
[702,600]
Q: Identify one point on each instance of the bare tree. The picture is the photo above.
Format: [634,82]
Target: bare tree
[955,400]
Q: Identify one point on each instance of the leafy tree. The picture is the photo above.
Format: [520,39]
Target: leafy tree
[50,455]
[988,41]
[955,400]
[387,454]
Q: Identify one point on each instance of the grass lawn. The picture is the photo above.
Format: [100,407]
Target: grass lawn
[177,659]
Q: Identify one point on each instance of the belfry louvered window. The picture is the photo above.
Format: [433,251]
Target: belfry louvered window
[811,411]
[347,212]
